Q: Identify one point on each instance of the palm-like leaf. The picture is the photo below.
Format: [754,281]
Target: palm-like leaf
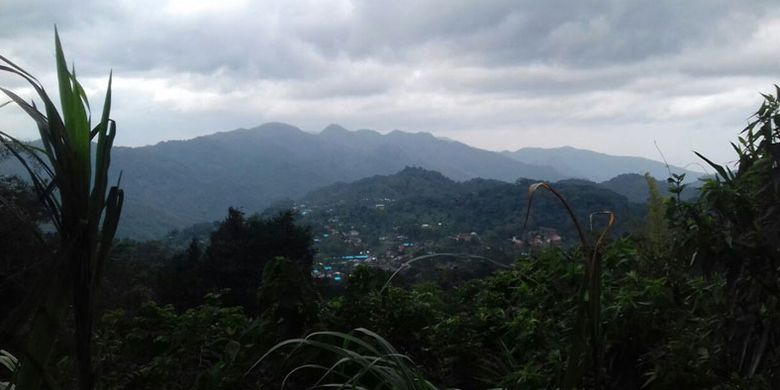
[84,211]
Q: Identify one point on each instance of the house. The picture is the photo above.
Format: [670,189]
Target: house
[467,237]
[543,237]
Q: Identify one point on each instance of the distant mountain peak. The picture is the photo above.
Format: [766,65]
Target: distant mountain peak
[417,171]
[267,129]
[401,133]
[334,129]
[276,126]
[367,132]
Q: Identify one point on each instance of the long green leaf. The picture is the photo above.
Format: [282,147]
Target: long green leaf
[721,171]
[85,216]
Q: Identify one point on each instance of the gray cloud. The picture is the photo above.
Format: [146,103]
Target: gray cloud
[609,75]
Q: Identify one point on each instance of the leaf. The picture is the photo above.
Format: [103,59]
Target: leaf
[721,171]
[8,361]
[85,218]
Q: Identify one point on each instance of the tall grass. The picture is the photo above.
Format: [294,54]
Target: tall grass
[73,186]
[11,364]
[360,360]
[587,330]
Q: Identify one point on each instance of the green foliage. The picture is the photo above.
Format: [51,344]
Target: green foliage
[361,359]
[82,209]
[130,276]
[588,327]
[656,228]
[491,208]
[287,298]
[513,329]
[240,248]
[24,248]
[201,348]
[400,315]
[734,230]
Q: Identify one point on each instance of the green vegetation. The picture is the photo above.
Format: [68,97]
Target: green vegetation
[359,363]
[689,301]
[493,209]
[73,188]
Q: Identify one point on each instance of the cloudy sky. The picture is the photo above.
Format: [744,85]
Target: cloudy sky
[612,76]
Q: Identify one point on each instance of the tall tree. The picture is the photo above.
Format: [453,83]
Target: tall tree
[287,298]
[241,247]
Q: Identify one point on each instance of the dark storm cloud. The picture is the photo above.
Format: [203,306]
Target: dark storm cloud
[519,32]
[532,72]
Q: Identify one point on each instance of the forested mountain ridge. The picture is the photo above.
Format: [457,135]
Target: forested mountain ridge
[406,201]
[175,184]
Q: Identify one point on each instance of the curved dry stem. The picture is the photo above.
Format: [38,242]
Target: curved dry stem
[533,188]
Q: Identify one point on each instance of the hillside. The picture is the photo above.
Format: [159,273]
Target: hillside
[175,184]
[594,166]
[403,202]
[178,183]
[634,187]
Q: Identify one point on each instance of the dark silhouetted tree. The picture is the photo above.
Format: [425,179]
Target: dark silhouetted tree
[241,247]
[287,298]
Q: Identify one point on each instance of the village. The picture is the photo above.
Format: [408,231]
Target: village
[341,245]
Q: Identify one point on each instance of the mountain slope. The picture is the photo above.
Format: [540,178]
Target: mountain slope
[177,183]
[386,205]
[594,166]
[634,187]
[455,160]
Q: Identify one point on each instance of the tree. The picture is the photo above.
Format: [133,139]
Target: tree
[241,247]
[287,299]
[181,281]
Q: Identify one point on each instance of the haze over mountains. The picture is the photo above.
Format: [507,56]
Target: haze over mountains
[594,166]
[175,184]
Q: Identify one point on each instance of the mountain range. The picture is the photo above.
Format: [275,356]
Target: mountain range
[175,184]
[586,164]
[387,205]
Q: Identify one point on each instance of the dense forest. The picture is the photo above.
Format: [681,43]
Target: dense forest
[688,298]
[489,207]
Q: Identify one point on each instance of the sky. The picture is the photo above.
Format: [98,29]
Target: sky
[618,76]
